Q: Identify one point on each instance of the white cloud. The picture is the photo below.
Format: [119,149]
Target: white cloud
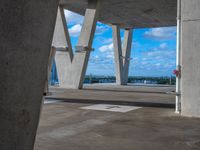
[160,58]
[144,63]
[103,40]
[101,29]
[107,52]
[106,48]
[163,46]
[73,18]
[165,33]
[110,55]
[75,30]
[95,58]
[136,59]
[161,54]
[144,59]
[158,64]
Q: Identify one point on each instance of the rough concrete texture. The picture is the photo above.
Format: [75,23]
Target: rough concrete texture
[122,54]
[65,126]
[26,30]
[59,36]
[131,95]
[126,54]
[64,53]
[63,63]
[131,13]
[72,67]
[190,58]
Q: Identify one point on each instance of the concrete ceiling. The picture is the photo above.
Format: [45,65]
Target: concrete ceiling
[131,13]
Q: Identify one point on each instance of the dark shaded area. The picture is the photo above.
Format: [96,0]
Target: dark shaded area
[127,91]
[113,102]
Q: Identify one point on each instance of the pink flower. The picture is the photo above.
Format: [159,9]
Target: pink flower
[176,72]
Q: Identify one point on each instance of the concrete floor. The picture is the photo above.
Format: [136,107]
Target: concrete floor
[64,126]
[111,93]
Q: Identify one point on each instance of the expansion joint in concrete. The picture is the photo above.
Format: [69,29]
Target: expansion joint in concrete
[82,49]
[62,49]
[188,20]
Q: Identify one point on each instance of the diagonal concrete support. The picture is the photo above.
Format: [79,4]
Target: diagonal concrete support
[122,54]
[72,68]
[50,63]
[26,29]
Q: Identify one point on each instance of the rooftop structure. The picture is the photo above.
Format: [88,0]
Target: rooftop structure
[28,27]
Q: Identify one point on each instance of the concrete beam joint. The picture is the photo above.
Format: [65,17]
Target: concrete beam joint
[62,49]
[122,54]
[83,48]
[72,72]
[125,58]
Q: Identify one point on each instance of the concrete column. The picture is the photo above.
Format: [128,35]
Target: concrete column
[190,44]
[126,53]
[72,72]
[62,44]
[63,64]
[117,53]
[122,54]
[26,31]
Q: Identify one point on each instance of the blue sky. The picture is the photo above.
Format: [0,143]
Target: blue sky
[153,50]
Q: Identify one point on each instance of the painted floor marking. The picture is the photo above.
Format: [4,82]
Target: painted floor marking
[114,108]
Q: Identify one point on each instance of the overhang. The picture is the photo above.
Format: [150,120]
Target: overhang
[131,13]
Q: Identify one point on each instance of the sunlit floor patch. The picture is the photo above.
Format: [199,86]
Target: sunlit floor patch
[114,108]
[51,101]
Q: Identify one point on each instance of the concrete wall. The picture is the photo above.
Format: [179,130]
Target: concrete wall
[26,30]
[190,45]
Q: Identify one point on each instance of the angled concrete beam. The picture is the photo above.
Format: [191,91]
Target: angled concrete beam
[61,36]
[80,61]
[126,53]
[63,64]
[72,72]
[89,24]
[50,63]
[62,44]
[122,54]
[117,53]
[26,29]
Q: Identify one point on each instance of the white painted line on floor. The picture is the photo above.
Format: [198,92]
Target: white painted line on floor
[114,108]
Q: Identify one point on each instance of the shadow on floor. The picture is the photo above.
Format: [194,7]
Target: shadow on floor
[128,91]
[113,102]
